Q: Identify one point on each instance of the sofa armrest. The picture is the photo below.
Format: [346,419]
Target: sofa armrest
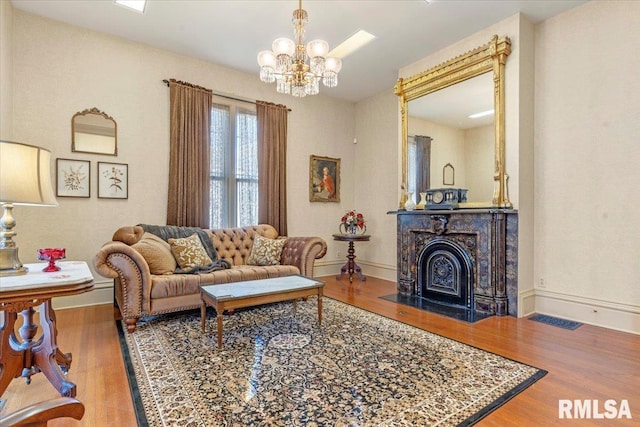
[302,251]
[132,277]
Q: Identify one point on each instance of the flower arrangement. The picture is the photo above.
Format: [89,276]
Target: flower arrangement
[352,221]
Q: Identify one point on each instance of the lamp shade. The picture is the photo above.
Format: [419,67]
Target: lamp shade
[25,175]
[316,48]
[333,64]
[283,46]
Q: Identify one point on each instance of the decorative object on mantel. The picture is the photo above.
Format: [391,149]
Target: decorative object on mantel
[297,70]
[409,204]
[445,198]
[353,222]
[51,255]
[25,179]
[423,201]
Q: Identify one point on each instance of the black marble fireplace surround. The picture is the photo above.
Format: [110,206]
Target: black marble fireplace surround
[459,261]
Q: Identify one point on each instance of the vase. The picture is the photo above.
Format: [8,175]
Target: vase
[51,255]
[410,204]
[352,229]
[423,201]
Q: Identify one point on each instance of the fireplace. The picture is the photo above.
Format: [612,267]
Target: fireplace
[445,274]
[463,259]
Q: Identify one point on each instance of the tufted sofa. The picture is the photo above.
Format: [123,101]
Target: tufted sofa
[140,293]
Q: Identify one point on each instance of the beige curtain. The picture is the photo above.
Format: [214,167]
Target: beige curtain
[272,165]
[188,201]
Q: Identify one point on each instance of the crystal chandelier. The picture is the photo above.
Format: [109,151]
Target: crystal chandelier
[296,69]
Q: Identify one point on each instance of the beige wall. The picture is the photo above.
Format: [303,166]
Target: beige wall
[61,69]
[587,157]
[6,97]
[375,171]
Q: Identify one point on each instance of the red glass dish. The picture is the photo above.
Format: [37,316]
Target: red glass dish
[51,255]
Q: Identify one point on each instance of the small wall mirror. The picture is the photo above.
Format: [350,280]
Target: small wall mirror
[93,131]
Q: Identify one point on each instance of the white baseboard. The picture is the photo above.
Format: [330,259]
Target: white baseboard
[607,314]
[381,271]
[526,302]
[102,293]
[612,315]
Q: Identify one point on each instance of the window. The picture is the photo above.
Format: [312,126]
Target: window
[234,165]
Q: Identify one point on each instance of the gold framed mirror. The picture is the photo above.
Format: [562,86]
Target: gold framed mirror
[482,64]
[93,131]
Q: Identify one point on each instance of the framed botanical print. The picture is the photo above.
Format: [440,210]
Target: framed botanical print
[73,178]
[324,179]
[113,180]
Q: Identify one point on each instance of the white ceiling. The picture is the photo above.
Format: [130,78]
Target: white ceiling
[231,33]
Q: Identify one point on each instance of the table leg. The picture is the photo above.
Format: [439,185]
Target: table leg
[63,359]
[44,354]
[11,356]
[351,266]
[203,315]
[358,271]
[219,327]
[319,306]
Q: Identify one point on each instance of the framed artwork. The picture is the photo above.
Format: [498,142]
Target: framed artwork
[113,180]
[324,179]
[73,178]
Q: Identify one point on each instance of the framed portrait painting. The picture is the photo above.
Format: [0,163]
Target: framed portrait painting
[113,180]
[324,179]
[73,178]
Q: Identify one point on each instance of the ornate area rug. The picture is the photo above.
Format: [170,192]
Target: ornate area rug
[281,369]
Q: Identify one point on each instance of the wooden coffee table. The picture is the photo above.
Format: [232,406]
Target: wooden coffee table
[256,292]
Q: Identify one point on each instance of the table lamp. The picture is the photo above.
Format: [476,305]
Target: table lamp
[25,179]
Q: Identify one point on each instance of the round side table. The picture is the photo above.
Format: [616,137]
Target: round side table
[351,267]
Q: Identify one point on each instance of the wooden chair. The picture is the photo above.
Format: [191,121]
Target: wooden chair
[38,414]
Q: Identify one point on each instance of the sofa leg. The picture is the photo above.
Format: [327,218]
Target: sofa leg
[131,324]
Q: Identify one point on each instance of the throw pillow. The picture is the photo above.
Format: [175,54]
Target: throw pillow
[157,253]
[266,251]
[189,252]
[128,235]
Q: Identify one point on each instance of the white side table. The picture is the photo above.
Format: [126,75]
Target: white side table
[24,355]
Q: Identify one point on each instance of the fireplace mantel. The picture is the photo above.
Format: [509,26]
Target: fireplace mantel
[483,241]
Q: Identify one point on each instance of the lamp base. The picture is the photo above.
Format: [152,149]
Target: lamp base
[10,265]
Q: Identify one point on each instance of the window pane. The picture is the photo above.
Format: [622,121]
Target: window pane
[246,168]
[247,207]
[411,164]
[220,136]
[234,167]
[246,145]
[216,211]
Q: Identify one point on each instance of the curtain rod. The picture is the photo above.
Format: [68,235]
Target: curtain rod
[248,101]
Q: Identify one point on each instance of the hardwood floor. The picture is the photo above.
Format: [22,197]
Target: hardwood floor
[587,363]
